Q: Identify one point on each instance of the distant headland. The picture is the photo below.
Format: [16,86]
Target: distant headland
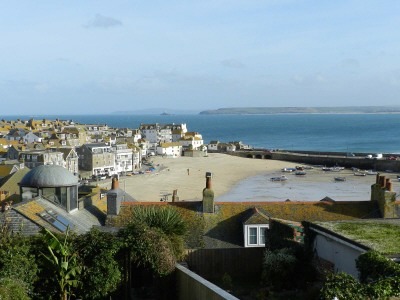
[303,110]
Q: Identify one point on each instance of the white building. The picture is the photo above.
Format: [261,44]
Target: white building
[157,133]
[123,158]
[192,140]
[170,149]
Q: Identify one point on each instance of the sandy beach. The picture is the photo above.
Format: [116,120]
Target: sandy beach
[243,179]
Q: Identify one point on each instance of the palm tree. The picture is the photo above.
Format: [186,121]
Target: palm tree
[155,237]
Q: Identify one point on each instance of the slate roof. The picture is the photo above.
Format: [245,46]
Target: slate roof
[25,217]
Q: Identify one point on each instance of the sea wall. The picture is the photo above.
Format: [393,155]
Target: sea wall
[325,158]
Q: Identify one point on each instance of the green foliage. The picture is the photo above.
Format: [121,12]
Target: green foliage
[101,274]
[380,279]
[165,220]
[149,247]
[373,266]
[343,287]
[17,263]
[13,289]
[63,261]
[278,268]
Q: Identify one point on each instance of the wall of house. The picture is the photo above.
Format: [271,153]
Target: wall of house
[192,286]
[342,256]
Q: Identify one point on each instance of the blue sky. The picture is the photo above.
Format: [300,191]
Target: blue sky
[81,57]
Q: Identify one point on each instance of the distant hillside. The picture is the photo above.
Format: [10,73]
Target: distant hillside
[302,110]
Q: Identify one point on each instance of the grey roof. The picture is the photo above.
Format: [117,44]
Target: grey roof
[49,176]
[24,217]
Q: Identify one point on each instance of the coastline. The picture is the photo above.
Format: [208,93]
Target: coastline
[242,179]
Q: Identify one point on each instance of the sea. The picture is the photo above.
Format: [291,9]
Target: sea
[357,133]
[360,133]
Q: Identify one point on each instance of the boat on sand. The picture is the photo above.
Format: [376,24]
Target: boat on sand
[340,178]
[279,178]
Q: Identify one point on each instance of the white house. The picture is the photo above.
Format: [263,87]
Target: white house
[170,149]
[192,140]
[213,146]
[123,158]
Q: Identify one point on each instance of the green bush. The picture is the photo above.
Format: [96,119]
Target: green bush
[343,287]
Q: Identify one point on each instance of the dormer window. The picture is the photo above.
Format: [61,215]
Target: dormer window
[256,235]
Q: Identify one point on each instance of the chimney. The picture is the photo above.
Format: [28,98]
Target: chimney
[175,196]
[114,183]
[208,195]
[388,185]
[114,198]
[382,181]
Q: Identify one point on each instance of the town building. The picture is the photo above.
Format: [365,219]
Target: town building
[98,158]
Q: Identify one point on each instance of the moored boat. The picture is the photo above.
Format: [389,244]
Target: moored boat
[300,173]
[340,178]
[279,178]
[371,172]
[360,174]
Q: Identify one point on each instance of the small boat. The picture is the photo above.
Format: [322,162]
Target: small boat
[371,172]
[308,167]
[360,174]
[280,178]
[299,168]
[340,178]
[288,170]
[332,169]
[300,173]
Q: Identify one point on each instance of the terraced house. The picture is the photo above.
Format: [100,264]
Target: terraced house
[98,158]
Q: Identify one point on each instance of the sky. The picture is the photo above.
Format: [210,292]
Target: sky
[96,57]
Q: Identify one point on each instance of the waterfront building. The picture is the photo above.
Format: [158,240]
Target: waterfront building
[157,133]
[98,158]
[123,158]
[192,141]
[170,149]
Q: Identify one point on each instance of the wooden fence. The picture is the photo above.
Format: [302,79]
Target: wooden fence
[237,262]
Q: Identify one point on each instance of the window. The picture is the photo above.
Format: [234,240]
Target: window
[262,235]
[253,236]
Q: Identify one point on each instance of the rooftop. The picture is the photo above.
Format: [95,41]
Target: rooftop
[382,235]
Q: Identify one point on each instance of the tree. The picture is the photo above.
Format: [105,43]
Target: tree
[17,264]
[278,268]
[63,261]
[165,219]
[342,286]
[13,289]
[101,274]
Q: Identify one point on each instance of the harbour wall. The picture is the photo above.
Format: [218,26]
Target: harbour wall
[328,159]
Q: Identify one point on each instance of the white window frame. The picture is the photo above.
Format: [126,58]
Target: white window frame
[260,228]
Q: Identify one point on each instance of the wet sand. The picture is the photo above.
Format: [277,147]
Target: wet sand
[243,179]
